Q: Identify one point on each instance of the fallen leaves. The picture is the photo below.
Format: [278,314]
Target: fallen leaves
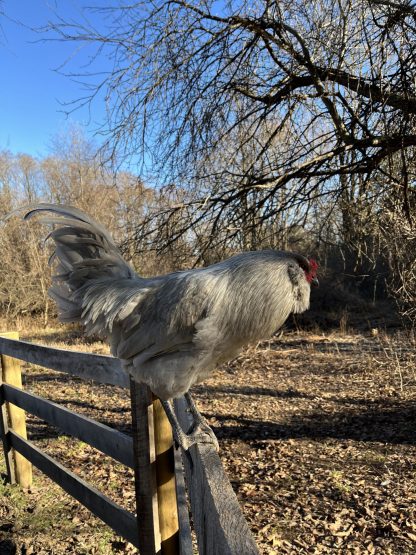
[316,435]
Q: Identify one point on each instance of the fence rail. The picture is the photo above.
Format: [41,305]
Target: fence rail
[99,368]
[219,523]
[107,440]
[120,520]
[161,525]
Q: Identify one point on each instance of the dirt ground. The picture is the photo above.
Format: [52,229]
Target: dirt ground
[317,434]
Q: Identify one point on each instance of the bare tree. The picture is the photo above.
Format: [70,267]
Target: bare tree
[398,237]
[70,175]
[23,278]
[331,81]
[265,120]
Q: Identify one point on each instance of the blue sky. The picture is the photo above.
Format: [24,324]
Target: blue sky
[32,91]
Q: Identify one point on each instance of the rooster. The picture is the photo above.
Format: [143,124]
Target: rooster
[171,331]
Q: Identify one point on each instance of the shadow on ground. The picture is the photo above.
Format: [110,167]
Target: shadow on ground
[7,547]
[212,390]
[387,425]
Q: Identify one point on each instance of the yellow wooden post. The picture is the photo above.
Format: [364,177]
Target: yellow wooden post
[166,485]
[11,374]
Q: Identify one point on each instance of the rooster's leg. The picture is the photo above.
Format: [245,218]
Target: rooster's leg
[200,423]
[200,431]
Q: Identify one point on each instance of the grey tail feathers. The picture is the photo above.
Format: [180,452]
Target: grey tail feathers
[85,255]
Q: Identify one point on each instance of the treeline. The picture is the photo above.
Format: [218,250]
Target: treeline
[70,175]
[365,242]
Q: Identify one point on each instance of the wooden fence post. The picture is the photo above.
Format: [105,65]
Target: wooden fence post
[4,429]
[166,484]
[157,510]
[145,469]
[11,374]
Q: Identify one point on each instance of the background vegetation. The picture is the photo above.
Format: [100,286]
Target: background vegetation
[287,125]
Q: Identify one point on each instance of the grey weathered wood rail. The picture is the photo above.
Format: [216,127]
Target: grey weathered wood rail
[220,526]
[120,520]
[99,368]
[218,521]
[107,440]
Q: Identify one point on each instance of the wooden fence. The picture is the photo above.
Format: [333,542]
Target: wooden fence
[161,523]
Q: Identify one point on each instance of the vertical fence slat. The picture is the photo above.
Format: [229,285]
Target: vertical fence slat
[145,469]
[165,477]
[11,374]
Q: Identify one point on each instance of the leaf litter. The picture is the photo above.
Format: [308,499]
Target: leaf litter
[317,435]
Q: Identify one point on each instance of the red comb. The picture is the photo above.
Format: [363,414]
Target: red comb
[313,265]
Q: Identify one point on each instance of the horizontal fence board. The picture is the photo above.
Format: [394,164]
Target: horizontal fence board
[120,520]
[102,369]
[117,445]
[220,526]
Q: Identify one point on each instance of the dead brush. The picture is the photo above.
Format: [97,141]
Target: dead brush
[398,355]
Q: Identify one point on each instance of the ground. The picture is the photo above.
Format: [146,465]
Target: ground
[317,435]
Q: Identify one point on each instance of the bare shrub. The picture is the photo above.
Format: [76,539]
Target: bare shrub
[400,244]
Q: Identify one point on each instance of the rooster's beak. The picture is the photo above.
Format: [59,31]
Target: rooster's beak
[315,282]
